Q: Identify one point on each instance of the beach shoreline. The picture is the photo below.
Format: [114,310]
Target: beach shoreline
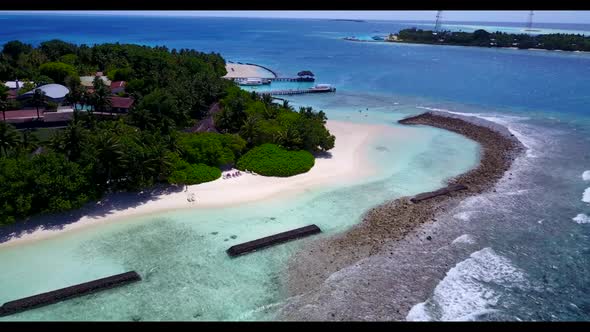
[394,220]
[247,70]
[345,163]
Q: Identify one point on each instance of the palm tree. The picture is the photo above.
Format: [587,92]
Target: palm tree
[154,160]
[267,99]
[101,98]
[29,142]
[170,141]
[288,138]
[39,99]
[3,108]
[3,100]
[141,118]
[286,105]
[76,95]
[86,100]
[249,130]
[8,137]
[223,120]
[109,153]
[69,141]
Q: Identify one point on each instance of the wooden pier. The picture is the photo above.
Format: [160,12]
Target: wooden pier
[436,193]
[268,80]
[59,295]
[264,242]
[295,91]
[292,79]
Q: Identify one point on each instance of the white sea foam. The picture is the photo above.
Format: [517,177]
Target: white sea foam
[464,294]
[464,216]
[418,313]
[465,238]
[433,109]
[504,120]
[586,176]
[586,195]
[582,219]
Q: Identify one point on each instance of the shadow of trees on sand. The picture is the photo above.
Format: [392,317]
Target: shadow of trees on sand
[108,205]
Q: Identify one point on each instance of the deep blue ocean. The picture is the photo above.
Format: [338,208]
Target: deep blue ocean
[526,253]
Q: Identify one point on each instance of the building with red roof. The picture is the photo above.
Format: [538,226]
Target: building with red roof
[121,104]
[117,87]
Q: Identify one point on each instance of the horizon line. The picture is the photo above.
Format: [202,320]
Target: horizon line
[161,13]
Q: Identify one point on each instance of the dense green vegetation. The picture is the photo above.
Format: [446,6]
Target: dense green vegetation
[272,160]
[259,120]
[211,148]
[52,170]
[186,173]
[558,41]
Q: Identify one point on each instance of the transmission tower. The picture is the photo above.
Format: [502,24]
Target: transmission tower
[529,24]
[438,22]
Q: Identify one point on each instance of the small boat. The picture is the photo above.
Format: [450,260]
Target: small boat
[323,87]
[251,82]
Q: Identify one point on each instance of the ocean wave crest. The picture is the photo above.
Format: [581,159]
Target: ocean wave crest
[586,195]
[465,238]
[586,176]
[582,219]
[465,292]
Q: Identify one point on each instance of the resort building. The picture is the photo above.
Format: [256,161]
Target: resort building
[121,104]
[53,92]
[87,80]
[15,85]
[118,87]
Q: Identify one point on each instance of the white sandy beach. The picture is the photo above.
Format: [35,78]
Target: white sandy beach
[348,163]
[236,70]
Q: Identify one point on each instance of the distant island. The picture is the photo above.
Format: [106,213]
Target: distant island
[348,20]
[482,38]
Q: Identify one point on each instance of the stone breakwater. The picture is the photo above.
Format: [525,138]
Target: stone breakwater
[395,219]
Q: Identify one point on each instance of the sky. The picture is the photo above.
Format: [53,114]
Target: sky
[550,16]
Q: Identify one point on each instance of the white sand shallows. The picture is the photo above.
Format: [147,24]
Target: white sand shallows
[236,70]
[348,163]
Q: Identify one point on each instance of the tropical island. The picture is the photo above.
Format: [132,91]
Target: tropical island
[135,117]
[483,38]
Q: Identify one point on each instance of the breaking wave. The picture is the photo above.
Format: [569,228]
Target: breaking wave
[582,219]
[465,238]
[466,292]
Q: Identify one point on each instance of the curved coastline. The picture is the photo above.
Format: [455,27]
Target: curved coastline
[246,70]
[268,69]
[345,163]
[394,220]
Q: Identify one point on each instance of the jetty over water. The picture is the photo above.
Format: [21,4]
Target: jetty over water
[264,242]
[292,79]
[297,91]
[59,295]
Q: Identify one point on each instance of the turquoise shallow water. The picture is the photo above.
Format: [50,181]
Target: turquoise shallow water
[181,254]
[527,224]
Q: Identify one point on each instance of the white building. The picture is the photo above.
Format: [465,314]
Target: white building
[53,92]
